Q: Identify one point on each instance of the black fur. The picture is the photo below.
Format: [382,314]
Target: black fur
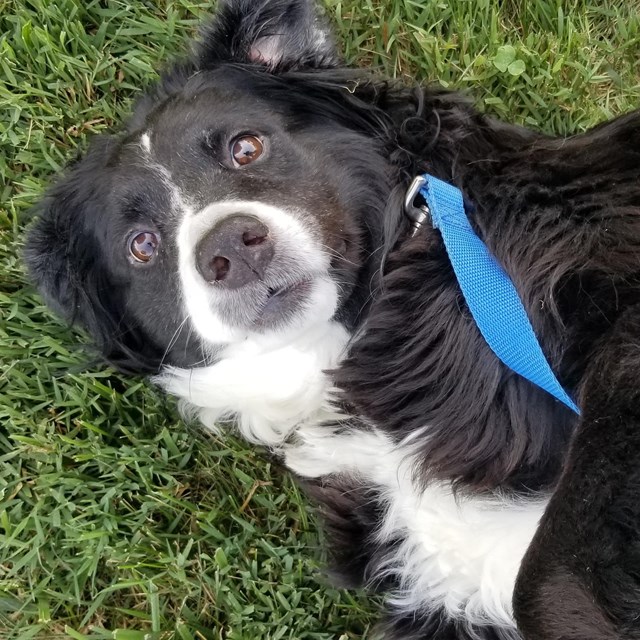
[350,513]
[586,553]
[561,216]
[398,625]
[67,255]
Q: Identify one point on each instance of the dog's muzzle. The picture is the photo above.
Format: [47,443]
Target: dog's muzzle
[235,252]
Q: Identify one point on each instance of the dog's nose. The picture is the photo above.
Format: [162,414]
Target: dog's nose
[235,252]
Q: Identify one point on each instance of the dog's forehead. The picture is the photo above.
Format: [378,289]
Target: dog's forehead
[214,106]
[188,128]
[185,146]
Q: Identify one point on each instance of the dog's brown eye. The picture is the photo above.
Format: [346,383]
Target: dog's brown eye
[246,149]
[143,245]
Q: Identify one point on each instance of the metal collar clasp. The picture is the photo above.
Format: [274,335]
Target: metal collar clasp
[417,213]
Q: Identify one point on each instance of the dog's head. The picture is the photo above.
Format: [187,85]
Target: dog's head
[241,199]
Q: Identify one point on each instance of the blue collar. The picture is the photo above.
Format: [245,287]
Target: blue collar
[490,295]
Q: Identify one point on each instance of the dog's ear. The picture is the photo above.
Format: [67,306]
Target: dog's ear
[67,263]
[57,244]
[280,34]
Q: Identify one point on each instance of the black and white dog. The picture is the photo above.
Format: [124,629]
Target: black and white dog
[243,240]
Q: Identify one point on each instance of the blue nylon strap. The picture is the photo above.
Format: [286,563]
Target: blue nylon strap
[489,292]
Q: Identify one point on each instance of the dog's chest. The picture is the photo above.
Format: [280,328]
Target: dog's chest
[458,554]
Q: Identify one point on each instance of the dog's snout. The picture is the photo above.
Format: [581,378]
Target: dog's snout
[235,252]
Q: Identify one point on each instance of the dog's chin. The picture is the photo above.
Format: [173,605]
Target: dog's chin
[282,306]
[272,313]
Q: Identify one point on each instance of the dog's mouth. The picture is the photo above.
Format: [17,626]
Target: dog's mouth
[282,303]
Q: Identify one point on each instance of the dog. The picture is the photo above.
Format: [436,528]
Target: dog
[243,241]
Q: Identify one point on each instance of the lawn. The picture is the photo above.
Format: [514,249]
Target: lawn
[117,520]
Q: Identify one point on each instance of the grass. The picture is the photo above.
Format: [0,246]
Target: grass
[116,519]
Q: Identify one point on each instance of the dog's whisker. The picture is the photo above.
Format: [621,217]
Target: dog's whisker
[173,340]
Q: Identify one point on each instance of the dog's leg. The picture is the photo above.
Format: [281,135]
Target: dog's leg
[580,579]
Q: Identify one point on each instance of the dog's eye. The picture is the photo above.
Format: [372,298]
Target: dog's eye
[143,245]
[245,149]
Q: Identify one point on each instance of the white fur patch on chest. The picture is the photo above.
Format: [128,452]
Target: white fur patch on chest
[457,552]
[267,392]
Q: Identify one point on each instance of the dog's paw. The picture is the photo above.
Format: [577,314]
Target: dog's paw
[266,395]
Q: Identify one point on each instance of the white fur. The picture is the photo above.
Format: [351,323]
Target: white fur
[458,552]
[145,143]
[291,238]
[268,381]
[267,390]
